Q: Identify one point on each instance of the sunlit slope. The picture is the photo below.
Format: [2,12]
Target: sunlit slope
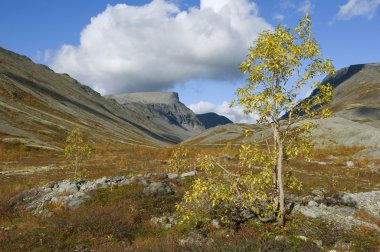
[356,107]
[38,107]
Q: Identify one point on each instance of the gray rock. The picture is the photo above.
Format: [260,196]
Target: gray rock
[310,212]
[188,174]
[67,186]
[148,175]
[172,175]
[159,188]
[136,178]
[318,192]
[343,246]
[215,223]
[350,164]
[279,238]
[318,243]
[117,179]
[369,201]
[125,182]
[312,203]
[144,182]
[102,181]
[345,215]
[302,237]
[161,176]
[75,202]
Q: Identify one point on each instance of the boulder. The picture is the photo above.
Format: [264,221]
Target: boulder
[159,188]
[172,175]
[188,174]
[350,164]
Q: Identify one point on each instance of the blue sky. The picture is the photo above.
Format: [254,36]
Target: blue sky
[184,46]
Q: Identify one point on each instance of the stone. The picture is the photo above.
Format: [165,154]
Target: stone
[279,237]
[144,182]
[318,192]
[226,158]
[67,186]
[319,243]
[125,182]
[312,203]
[102,180]
[148,175]
[188,174]
[301,237]
[159,188]
[342,246]
[161,176]
[215,223]
[75,202]
[350,164]
[322,163]
[136,178]
[308,212]
[117,179]
[172,175]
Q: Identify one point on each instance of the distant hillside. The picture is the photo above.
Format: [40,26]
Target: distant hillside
[357,93]
[164,111]
[38,107]
[356,107]
[210,120]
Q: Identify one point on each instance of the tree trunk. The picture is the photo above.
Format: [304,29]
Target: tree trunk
[76,166]
[280,183]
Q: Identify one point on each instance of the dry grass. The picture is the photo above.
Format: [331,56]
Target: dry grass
[119,219]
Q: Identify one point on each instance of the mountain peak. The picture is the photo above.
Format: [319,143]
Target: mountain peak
[146,97]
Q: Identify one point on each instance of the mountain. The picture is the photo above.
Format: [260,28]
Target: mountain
[357,93]
[210,120]
[39,107]
[356,118]
[164,111]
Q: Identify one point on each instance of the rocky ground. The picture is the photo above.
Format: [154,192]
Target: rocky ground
[342,209]
[68,194]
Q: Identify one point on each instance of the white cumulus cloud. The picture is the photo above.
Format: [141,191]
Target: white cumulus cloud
[354,8]
[303,7]
[155,46]
[235,113]
[278,17]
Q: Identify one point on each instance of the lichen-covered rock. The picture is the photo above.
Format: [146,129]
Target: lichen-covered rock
[343,209]
[159,188]
[71,193]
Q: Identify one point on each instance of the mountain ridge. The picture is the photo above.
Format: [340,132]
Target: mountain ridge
[355,106]
[38,108]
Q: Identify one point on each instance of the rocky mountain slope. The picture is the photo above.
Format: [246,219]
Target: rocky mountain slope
[38,107]
[164,111]
[210,120]
[356,107]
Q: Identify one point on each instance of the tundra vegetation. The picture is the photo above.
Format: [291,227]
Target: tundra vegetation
[279,65]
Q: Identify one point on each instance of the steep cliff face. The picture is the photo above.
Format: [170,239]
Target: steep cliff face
[163,108]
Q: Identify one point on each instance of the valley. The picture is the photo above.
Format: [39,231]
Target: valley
[131,188]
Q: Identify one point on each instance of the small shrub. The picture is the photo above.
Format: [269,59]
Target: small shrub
[178,161]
